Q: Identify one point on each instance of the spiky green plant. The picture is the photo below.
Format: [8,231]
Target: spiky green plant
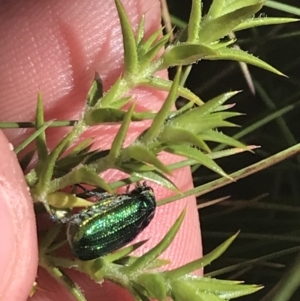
[186,132]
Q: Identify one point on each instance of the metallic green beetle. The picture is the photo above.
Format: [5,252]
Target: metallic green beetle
[110,223]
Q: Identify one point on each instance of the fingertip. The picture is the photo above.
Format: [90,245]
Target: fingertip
[187,244]
[18,253]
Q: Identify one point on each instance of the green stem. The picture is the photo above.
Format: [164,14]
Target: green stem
[24,125]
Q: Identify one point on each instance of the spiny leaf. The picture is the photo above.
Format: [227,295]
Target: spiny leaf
[118,255]
[205,123]
[165,85]
[121,135]
[194,22]
[226,290]
[153,176]
[65,164]
[41,144]
[32,137]
[193,153]
[184,54]
[177,135]
[144,47]
[61,199]
[202,262]
[163,113]
[96,91]
[242,56]
[183,291]
[213,135]
[215,9]
[109,97]
[85,175]
[111,115]
[215,29]
[149,56]
[155,285]
[157,263]
[205,109]
[141,153]
[231,151]
[129,44]
[148,173]
[82,147]
[206,289]
[140,32]
[263,21]
[152,254]
[232,6]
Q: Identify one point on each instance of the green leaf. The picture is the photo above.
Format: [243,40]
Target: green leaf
[218,251]
[140,32]
[235,5]
[263,21]
[85,175]
[215,9]
[241,56]
[222,44]
[231,151]
[184,54]
[158,121]
[207,289]
[215,29]
[165,85]
[183,291]
[121,102]
[155,285]
[226,290]
[177,135]
[152,254]
[215,136]
[194,21]
[142,153]
[82,147]
[108,99]
[121,135]
[111,115]
[62,200]
[193,153]
[148,173]
[41,144]
[32,137]
[118,255]
[202,262]
[66,164]
[149,56]
[205,109]
[157,263]
[206,123]
[144,47]
[96,91]
[77,156]
[129,44]
[155,177]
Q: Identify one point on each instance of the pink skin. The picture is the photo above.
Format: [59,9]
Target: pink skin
[55,47]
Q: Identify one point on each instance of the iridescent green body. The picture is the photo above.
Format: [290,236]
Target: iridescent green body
[110,223]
